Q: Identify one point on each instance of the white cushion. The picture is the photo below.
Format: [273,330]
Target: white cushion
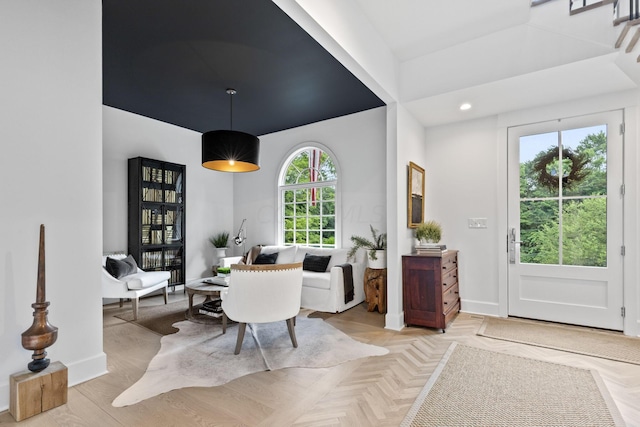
[312,279]
[286,254]
[145,279]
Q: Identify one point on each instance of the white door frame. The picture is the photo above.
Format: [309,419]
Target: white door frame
[630,210]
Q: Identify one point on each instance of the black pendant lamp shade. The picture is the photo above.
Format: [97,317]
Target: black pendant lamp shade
[230,150]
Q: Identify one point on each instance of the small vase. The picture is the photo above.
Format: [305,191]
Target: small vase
[221,252]
[380,262]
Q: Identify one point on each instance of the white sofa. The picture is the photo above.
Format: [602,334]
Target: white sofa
[321,291]
[134,285]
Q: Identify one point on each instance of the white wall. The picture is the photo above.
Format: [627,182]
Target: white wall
[358,142]
[51,169]
[405,143]
[209,194]
[466,178]
[461,181]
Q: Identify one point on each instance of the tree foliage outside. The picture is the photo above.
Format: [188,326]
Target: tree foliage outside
[309,200]
[299,171]
[581,208]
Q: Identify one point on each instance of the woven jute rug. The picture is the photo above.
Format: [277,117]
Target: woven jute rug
[607,345]
[475,387]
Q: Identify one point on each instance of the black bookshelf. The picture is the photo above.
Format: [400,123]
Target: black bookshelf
[157,216]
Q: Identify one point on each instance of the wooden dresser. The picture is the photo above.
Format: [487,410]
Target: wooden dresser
[430,289]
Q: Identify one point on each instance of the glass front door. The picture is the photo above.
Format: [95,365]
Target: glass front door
[565,214]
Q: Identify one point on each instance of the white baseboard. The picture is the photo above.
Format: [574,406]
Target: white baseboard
[394,322]
[87,369]
[480,307]
[4,396]
[79,372]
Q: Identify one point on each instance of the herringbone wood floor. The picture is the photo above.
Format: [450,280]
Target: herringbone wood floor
[377,391]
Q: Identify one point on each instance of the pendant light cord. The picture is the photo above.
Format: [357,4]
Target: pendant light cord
[231,92]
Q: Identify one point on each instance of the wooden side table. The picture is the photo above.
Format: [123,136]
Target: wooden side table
[211,286]
[375,289]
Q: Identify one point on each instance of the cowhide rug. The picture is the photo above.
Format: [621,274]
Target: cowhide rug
[199,355]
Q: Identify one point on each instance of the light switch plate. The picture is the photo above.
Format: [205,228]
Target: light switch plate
[477,222]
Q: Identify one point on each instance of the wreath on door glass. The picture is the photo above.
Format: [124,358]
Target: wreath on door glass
[546,177]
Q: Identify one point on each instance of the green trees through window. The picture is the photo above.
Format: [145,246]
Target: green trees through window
[563,197]
[308,199]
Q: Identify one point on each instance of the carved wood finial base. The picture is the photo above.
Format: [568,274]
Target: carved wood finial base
[39,362]
[41,334]
[32,393]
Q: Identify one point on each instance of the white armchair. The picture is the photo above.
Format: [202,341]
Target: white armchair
[134,285]
[262,294]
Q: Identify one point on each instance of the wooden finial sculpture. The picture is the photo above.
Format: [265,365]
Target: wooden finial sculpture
[41,334]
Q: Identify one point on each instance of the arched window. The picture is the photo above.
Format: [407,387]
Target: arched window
[308,199]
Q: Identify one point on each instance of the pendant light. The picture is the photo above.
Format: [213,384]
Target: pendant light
[230,150]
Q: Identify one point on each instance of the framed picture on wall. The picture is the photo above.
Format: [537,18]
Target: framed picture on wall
[415,198]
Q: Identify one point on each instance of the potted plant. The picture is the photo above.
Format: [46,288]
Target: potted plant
[219,241]
[376,248]
[223,271]
[428,232]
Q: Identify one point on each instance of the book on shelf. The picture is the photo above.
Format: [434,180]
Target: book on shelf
[214,304]
[211,308]
[433,246]
[210,313]
[431,249]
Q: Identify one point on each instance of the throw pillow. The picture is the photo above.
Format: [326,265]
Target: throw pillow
[266,258]
[316,263]
[121,267]
[250,257]
[286,254]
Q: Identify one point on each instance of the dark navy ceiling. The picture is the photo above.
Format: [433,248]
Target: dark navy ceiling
[172,60]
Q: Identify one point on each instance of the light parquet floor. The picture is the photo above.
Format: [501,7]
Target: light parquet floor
[375,391]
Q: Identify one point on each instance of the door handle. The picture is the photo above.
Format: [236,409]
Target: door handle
[512,245]
[513,236]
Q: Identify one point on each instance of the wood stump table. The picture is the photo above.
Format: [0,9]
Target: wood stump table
[375,289]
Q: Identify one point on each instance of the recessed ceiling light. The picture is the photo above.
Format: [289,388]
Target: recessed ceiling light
[465,106]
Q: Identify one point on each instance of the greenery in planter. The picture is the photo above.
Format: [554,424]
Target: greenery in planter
[377,243]
[224,270]
[429,231]
[220,240]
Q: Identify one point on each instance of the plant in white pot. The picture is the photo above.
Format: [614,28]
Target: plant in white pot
[219,241]
[376,248]
[429,232]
